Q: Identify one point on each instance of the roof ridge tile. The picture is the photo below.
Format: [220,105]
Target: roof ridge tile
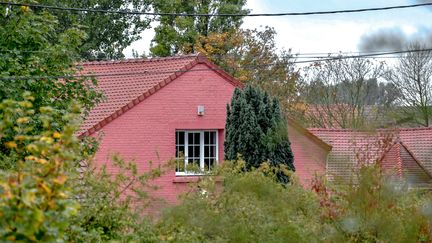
[138,60]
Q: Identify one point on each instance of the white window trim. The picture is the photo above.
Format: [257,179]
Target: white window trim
[186,144]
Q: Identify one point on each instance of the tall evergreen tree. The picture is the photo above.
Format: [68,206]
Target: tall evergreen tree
[256,130]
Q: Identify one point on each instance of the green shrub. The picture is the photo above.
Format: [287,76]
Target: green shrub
[248,207]
[376,207]
[35,200]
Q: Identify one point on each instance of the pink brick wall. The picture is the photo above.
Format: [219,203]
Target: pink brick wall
[147,131]
[309,157]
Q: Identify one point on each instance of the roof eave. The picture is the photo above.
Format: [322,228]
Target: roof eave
[200,59]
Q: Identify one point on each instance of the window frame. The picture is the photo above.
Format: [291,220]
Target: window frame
[202,153]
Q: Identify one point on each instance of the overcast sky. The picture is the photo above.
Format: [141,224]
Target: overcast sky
[370,31]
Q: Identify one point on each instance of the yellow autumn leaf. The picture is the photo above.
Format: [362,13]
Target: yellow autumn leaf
[42,161]
[11,144]
[32,148]
[20,137]
[25,9]
[56,135]
[52,204]
[28,198]
[31,157]
[22,120]
[60,180]
[45,188]
[46,139]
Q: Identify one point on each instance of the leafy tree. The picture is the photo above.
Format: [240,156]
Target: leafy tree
[51,55]
[34,56]
[256,130]
[35,200]
[178,34]
[107,35]
[252,57]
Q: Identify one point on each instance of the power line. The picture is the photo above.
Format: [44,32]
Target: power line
[325,55]
[370,55]
[252,67]
[126,11]
[294,54]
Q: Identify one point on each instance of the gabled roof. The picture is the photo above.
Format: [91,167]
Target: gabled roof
[419,142]
[126,83]
[407,148]
[308,134]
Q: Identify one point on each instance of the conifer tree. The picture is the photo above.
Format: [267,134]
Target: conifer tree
[256,130]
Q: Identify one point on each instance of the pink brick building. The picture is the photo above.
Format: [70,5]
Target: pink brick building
[152,114]
[162,108]
[159,108]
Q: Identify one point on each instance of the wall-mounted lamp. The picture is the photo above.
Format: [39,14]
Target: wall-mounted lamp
[200,110]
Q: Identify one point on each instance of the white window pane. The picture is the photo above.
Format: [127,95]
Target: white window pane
[195,150]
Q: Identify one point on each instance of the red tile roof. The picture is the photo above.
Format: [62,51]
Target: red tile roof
[126,83]
[419,142]
[308,134]
[403,149]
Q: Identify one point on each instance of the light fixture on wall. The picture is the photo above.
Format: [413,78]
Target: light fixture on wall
[200,110]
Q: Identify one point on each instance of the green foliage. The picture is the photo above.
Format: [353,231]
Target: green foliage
[253,207]
[256,130]
[178,34]
[375,208]
[107,35]
[249,207]
[35,202]
[32,48]
[379,208]
[111,203]
[252,57]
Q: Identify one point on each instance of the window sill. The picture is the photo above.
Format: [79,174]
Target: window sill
[193,178]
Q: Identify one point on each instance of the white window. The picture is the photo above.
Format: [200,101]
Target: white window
[196,151]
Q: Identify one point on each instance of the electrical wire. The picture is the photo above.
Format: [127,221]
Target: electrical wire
[129,12]
[251,67]
[336,58]
[326,56]
[293,54]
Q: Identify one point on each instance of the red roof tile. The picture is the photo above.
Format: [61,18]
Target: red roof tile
[419,142]
[126,83]
[308,134]
[406,148]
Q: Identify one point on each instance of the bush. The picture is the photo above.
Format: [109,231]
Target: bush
[376,207]
[112,205]
[254,207]
[35,201]
[249,207]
